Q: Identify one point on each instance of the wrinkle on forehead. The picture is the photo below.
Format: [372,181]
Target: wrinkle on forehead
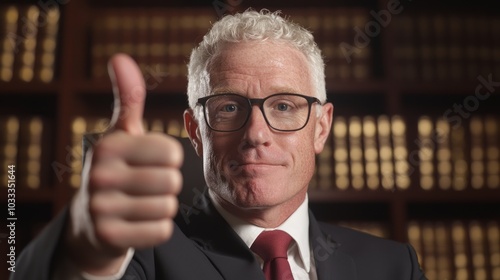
[264,60]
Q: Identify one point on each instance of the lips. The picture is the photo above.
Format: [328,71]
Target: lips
[252,167]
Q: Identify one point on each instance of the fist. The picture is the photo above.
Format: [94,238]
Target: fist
[128,196]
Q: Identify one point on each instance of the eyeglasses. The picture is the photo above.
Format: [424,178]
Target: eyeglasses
[282,112]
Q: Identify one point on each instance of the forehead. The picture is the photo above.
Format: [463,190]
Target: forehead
[260,68]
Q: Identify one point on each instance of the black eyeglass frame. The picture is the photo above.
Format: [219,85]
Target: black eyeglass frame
[260,102]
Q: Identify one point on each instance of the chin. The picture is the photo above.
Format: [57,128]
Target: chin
[257,195]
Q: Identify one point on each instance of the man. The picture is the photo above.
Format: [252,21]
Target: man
[258,116]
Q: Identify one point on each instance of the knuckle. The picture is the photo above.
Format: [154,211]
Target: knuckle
[171,206]
[165,229]
[96,207]
[173,151]
[176,181]
[105,233]
[177,153]
[99,178]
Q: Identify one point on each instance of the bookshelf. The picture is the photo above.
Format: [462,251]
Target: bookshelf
[423,72]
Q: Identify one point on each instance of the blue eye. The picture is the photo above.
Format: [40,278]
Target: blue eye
[229,108]
[282,107]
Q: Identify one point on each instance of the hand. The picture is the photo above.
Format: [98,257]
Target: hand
[130,197]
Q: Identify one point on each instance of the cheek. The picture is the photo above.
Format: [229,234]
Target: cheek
[304,155]
[215,150]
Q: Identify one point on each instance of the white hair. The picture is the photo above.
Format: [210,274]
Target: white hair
[252,26]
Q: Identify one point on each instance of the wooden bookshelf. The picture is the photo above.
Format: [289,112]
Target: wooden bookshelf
[395,83]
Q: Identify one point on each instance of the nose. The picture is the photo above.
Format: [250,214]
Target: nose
[257,131]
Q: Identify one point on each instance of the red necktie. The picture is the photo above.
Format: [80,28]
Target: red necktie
[272,247]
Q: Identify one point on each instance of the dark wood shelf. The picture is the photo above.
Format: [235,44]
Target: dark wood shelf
[24,195]
[408,196]
[39,88]
[355,86]
[167,86]
[438,88]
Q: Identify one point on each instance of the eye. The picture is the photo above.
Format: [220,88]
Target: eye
[282,107]
[229,108]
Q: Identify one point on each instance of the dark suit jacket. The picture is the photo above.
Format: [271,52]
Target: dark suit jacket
[204,246]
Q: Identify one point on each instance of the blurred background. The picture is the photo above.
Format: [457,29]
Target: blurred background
[414,151]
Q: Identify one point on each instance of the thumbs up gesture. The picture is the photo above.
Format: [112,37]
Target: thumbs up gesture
[128,196]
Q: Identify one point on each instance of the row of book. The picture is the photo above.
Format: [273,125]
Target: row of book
[161,40]
[456,157]
[379,153]
[336,30]
[449,47]
[457,249]
[83,125]
[24,143]
[28,48]
[425,47]
[363,152]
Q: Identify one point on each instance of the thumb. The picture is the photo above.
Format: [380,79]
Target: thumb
[129,91]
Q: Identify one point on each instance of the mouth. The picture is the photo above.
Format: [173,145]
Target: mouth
[252,166]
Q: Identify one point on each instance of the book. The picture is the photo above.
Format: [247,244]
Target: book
[356,153]
[492,135]
[30,153]
[426,152]
[400,151]
[477,153]
[414,233]
[405,52]
[443,155]
[492,229]
[9,135]
[9,20]
[324,167]
[444,47]
[459,161]
[459,240]
[371,152]
[163,47]
[444,268]
[340,153]
[27,30]
[478,250]
[142,40]
[456,48]
[46,48]
[429,250]
[385,152]
[98,52]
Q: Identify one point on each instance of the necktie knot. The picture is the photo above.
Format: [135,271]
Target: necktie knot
[272,247]
[272,244]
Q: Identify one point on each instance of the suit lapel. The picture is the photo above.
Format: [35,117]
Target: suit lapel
[331,262]
[232,258]
[218,241]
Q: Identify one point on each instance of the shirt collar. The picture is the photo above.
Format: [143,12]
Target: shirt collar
[297,226]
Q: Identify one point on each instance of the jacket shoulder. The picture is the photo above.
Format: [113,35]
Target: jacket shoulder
[371,253]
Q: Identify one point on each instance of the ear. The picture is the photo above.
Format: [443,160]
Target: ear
[323,127]
[192,128]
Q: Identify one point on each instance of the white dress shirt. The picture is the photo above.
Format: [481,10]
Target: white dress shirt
[297,226]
